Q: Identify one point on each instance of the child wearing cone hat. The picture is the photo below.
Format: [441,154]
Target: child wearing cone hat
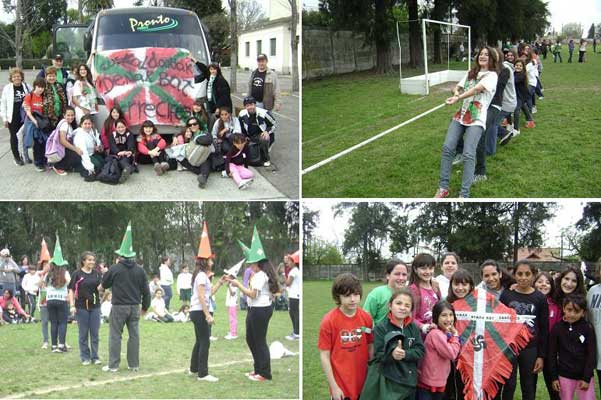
[201,309]
[262,286]
[56,299]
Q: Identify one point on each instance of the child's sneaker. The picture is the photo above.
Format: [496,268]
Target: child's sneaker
[244,184]
[530,124]
[257,378]
[267,164]
[180,167]
[165,166]
[55,349]
[45,345]
[224,174]
[213,338]
[516,132]
[158,169]
[208,378]
[534,110]
[106,368]
[59,171]
[441,193]
[96,362]
[85,362]
[230,337]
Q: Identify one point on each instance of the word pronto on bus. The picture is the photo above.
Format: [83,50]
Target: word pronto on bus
[159,23]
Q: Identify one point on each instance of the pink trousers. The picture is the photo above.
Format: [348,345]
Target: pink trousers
[570,386]
[239,173]
[233,319]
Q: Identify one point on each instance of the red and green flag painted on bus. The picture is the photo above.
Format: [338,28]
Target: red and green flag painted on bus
[492,334]
[148,83]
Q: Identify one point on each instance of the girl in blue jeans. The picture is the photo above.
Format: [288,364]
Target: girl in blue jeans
[476,89]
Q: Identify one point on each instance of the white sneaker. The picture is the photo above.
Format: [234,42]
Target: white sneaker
[224,174]
[244,184]
[534,110]
[96,362]
[213,338]
[516,132]
[267,164]
[230,337]
[208,378]
[107,369]
[290,337]
[85,363]
[45,345]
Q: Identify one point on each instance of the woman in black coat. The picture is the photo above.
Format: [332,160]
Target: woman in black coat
[218,90]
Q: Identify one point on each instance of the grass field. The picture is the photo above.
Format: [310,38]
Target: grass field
[164,357]
[559,158]
[317,301]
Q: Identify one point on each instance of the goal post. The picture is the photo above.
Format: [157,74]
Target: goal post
[420,84]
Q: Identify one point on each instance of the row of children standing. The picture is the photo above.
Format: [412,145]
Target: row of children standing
[412,348]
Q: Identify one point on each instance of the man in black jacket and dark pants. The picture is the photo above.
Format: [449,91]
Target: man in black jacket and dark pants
[129,288]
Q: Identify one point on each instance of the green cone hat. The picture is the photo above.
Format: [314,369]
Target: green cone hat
[127,249]
[245,249]
[57,257]
[256,252]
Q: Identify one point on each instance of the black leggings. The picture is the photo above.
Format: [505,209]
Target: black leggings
[14,142]
[553,395]
[525,361]
[257,322]
[199,361]
[293,311]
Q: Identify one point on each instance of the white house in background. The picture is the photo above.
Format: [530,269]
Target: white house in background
[271,38]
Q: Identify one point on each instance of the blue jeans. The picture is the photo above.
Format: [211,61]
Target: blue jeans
[168,294]
[32,300]
[57,314]
[44,319]
[88,322]
[471,135]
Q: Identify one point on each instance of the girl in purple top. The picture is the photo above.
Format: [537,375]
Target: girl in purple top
[425,291]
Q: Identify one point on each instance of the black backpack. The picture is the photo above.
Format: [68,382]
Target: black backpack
[111,171]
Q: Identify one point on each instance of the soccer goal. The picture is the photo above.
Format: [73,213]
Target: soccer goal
[446,57]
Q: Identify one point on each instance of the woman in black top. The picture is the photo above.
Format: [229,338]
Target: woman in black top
[526,300]
[218,90]
[85,304]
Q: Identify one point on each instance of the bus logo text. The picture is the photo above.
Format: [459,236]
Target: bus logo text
[159,23]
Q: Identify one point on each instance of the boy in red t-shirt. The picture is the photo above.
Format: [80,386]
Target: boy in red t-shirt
[33,102]
[346,340]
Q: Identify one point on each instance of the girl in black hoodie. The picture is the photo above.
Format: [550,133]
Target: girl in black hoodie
[572,349]
[521,89]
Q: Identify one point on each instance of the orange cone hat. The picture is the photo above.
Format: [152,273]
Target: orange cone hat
[204,249]
[44,253]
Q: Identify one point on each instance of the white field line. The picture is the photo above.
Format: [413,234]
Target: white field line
[371,139]
[273,112]
[133,376]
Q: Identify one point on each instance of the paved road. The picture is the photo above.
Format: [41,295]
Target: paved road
[279,182]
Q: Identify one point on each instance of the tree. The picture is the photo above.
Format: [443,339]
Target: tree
[310,221]
[373,18]
[294,43]
[321,252]
[233,43]
[249,13]
[368,230]
[590,223]
[572,30]
[591,31]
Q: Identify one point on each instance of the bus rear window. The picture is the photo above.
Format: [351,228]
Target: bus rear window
[151,30]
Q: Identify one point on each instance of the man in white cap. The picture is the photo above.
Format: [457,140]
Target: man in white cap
[8,272]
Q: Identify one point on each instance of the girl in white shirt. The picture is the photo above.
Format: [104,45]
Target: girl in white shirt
[293,283]
[158,306]
[87,139]
[200,314]
[262,286]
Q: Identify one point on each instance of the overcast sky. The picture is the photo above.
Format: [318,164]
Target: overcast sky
[332,230]
[562,12]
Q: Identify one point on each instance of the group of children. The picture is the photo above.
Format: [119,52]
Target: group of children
[64,139]
[405,345]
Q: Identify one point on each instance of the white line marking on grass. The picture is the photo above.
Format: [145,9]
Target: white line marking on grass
[132,377]
[273,112]
[371,139]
